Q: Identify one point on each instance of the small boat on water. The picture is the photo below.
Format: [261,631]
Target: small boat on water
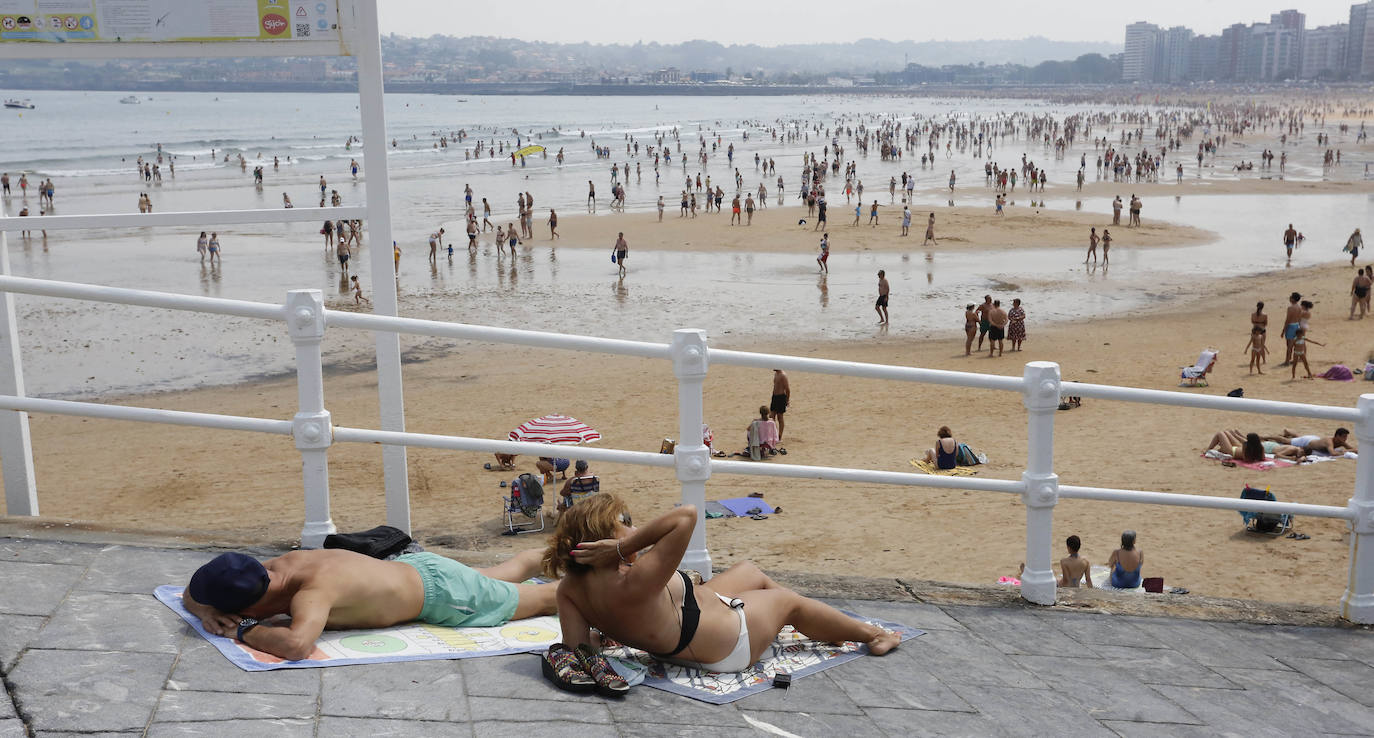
[20,104]
[130,100]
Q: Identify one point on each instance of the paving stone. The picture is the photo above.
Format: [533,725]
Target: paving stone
[1283,642]
[1168,730]
[89,691]
[803,721]
[46,552]
[106,734]
[15,633]
[898,679]
[646,703]
[1108,694]
[911,614]
[97,621]
[1295,693]
[202,668]
[181,707]
[415,690]
[1030,712]
[932,723]
[35,589]
[1352,643]
[1095,629]
[6,706]
[504,676]
[12,728]
[656,730]
[1014,631]
[1349,677]
[1205,643]
[966,658]
[1248,713]
[538,711]
[1161,666]
[140,570]
[814,693]
[236,729]
[341,727]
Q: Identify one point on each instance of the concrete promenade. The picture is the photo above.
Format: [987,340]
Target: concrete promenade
[86,649]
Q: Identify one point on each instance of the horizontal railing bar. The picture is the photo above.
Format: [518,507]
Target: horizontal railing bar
[1209,402]
[193,218]
[463,443]
[365,321]
[842,474]
[1183,500]
[143,298]
[868,371]
[145,415]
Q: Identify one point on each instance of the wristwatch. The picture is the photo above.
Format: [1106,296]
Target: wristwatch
[246,625]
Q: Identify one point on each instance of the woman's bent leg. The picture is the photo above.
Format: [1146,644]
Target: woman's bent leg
[766,611]
[745,576]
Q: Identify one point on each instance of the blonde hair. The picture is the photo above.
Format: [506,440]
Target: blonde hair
[591,519]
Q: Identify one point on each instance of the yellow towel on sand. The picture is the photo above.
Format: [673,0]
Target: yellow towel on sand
[928,468]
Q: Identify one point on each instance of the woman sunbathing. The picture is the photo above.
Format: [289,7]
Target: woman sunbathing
[1249,448]
[611,583]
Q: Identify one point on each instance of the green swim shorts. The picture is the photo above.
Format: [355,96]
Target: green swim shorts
[456,595]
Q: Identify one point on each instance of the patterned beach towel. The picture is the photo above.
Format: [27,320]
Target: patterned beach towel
[926,467]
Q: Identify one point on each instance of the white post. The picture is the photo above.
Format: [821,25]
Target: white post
[1040,395]
[367,47]
[312,427]
[16,447]
[1357,604]
[693,459]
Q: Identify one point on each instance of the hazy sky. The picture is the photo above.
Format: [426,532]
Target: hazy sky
[805,21]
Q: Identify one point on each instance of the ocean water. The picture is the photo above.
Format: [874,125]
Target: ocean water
[87,142]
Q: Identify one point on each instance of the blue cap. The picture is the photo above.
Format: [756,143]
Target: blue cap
[229,583]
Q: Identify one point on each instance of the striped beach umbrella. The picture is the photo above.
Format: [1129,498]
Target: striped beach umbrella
[555,429]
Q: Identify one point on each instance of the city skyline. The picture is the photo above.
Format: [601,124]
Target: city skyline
[808,21]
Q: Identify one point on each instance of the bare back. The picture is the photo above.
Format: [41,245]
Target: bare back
[360,591]
[781,385]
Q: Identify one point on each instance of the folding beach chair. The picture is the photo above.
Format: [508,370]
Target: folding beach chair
[1196,375]
[580,488]
[1273,524]
[526,499]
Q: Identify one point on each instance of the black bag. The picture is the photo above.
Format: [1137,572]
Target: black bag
[1237,392]
[379,543]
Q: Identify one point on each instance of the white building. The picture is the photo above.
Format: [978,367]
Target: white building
[1138,64]
[1323,51]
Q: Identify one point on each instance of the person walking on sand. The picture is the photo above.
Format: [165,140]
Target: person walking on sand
[1256,349]
[344,254]
[824,255]
[202,245]
[1359,291]
[951,181]
[213,247]
[881,304]
[1300,342]
[1259,319]
[1092,245]
[358,298]
[1106,247]
[782,397]
[1290,238]
[553,221]
[873,215]
[1292,320]
[930,231]
[622,251]
[997,329]
[906,220]
[486,216]
[970,328]
[591,196]
[1353,245]
[660,208]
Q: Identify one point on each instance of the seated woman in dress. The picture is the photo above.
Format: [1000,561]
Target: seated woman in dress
[943,456]
[638,597]
[1125,563]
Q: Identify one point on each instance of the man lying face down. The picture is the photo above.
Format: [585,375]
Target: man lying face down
[331,588]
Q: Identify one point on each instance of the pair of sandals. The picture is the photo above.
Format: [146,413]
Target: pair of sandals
[582,670]
[1299,536]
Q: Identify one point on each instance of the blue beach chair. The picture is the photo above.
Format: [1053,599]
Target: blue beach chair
[1273,524]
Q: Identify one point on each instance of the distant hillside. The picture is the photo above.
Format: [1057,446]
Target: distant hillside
[863,56]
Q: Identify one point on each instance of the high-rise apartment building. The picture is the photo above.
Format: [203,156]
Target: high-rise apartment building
[1138,62]
[1323,52]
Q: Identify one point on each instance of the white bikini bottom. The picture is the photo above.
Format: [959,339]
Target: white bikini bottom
[738,660]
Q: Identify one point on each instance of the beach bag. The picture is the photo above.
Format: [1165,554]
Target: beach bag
[1237,392]
[964,456]
[379,543]
[613,261]
[527,494]
[1153,584]
[1369,370]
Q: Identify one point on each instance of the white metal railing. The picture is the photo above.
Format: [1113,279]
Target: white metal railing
[313,431]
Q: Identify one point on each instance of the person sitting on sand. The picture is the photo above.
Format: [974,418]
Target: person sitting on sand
[548,465]
[1074,568]
[234,595]
[1321,444]
[1126,562]
[946,451]
[1251,448]
[639,598]
[763,432]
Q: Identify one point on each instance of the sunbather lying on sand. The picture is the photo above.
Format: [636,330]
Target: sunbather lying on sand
[1250,447]
[1338,443]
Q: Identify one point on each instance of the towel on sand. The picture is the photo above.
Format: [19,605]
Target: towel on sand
[1269,461]
[926,467]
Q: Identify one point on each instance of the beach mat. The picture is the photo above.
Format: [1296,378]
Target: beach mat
[926,467]
[791,653]
[1268,464]
[408,642]
[740,506]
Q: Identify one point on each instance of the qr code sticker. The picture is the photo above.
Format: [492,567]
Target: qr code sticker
[302,30]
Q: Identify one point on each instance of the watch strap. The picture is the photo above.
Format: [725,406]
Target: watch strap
[246,625]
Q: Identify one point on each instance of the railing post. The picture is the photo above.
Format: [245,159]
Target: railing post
[16,446]
[1040,394]
[692,458]
[313,429]
[1357,604]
